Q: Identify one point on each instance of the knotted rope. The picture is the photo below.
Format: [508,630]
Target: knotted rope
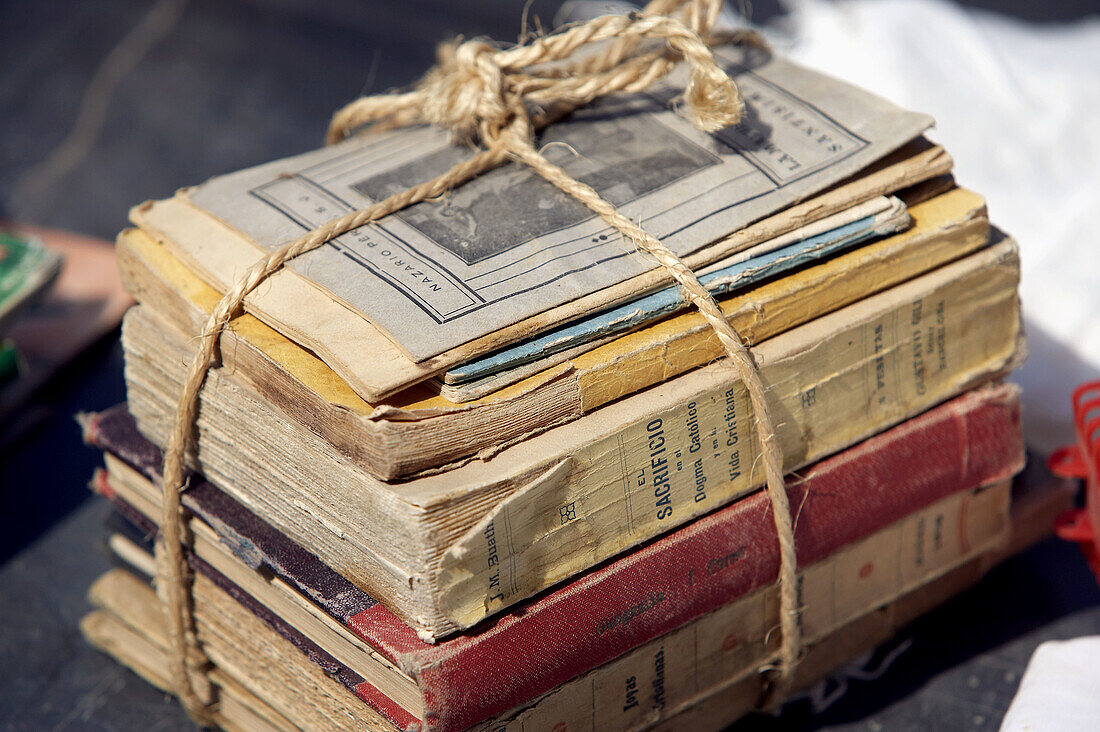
[497,99]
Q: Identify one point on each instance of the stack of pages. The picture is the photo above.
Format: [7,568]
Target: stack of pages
[477,466]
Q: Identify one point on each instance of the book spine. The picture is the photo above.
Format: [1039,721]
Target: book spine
[971,441]
[869,367]
[250,538]
[670,673]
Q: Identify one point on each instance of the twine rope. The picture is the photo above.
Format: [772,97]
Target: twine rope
[497,99]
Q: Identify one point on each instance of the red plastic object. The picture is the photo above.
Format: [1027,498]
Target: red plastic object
[1083,461]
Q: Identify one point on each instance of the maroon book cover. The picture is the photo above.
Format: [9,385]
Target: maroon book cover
[970,441]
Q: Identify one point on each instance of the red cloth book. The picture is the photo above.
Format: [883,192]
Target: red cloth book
[970,441]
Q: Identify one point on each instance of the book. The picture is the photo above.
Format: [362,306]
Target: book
[26,269]
[420,429]
[443,281]
[1036,500]
[915,163]
[970,442]
[447,550]
[675,668]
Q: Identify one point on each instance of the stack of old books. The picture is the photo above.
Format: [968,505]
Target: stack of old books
[477,466]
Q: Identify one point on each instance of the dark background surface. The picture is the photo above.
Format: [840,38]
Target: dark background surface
[236,83]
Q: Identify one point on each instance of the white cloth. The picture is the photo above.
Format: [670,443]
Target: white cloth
[1060,691]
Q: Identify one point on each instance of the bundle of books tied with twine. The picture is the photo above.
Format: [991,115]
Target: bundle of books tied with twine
[479,416]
